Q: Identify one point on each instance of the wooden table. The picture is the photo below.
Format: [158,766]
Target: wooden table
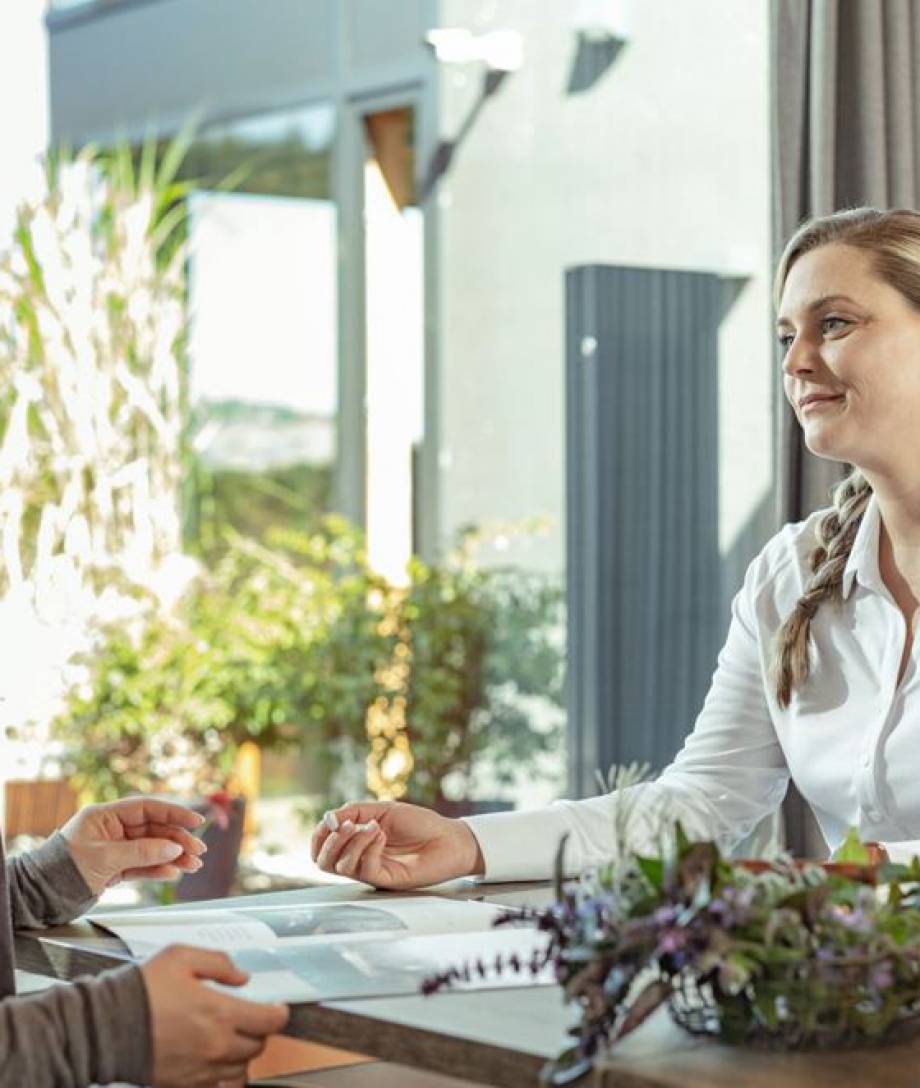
[500,1038]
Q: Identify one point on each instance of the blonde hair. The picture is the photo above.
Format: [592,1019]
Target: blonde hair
[892,238]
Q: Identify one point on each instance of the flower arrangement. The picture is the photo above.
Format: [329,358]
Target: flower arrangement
[785,954]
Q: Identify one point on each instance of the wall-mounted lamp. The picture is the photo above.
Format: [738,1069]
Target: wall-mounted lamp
[602,20]
[499,50]
[602,29]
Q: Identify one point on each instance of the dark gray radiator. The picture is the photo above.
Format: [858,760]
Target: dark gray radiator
[645,612]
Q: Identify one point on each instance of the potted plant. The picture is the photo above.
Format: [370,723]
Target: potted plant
[781,954]
[483,687]
[279,645]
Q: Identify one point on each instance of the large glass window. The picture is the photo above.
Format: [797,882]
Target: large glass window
[556,363]
[262,354]
[263,385]
[632,139]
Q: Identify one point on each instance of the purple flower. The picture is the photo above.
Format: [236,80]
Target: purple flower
[857,921]
[664,916]
[671,941]
[882,976]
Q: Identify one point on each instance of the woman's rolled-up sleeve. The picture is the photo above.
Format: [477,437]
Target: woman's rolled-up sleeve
[730,773]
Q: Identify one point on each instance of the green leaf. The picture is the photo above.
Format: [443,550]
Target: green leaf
[653,871]
[852,849]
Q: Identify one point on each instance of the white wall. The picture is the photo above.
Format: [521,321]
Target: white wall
[23,101]
[664,162]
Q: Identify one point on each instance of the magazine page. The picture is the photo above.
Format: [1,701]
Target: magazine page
[233,930]
[305,970]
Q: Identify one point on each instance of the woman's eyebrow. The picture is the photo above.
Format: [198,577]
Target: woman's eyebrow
[816,305]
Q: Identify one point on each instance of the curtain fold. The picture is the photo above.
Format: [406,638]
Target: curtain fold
[846,88]
[845,92]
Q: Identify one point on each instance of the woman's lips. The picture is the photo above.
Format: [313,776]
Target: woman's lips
[818,404]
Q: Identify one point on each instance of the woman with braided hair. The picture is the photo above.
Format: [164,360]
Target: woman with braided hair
[818,679]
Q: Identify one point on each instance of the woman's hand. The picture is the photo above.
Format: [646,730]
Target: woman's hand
[393,845]
[202,1037]
[134,838]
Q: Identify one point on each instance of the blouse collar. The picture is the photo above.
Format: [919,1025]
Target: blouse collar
[862,564]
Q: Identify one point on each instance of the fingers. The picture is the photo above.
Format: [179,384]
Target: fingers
[133,811]
[337,841]
[216,966]
[254,1018]
[369,864]
[154,872]
[356,813]
[231,1076]
[243,1048]
[353,856]
[182,864]
[142,853]
[189,842]
[189,861]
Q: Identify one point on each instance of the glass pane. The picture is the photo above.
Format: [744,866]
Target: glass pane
[633,137]
[262,349]
[394,381]
[393,269]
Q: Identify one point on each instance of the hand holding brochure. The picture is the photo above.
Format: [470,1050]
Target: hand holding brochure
[326,951]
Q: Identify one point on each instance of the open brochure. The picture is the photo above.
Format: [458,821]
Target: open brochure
[328,951]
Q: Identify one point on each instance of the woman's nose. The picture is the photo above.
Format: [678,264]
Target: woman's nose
[801,358]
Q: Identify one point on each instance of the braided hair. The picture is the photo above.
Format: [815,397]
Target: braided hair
[836,532]
[892,239]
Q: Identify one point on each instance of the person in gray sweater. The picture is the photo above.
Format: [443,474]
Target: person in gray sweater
[156,1024]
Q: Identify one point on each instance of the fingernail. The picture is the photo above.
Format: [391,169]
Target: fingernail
[169,851]
[372,825]
[340,867]
[331,821]
[348,825]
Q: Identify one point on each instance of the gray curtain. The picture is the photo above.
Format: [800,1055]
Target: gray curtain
[846,129]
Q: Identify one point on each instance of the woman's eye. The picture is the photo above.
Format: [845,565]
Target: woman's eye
[836,322]
[784,340]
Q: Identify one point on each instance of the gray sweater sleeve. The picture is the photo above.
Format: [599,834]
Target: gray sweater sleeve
[94,1031]
[46,888]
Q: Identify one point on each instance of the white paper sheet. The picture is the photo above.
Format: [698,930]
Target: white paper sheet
[330,951]
[263,926]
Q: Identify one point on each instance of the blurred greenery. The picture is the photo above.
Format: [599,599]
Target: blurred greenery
[286,636]
[288,643]
[277,644]
[484,644]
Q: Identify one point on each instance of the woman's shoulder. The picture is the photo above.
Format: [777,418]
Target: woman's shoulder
[783,566]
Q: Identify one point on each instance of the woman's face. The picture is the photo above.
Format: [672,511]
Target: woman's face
[851,368]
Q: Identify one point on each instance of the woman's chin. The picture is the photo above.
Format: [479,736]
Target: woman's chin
[822,444]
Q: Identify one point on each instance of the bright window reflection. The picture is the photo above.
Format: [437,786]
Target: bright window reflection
[263,384]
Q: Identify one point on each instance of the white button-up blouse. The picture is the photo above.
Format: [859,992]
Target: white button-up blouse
[850,738]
